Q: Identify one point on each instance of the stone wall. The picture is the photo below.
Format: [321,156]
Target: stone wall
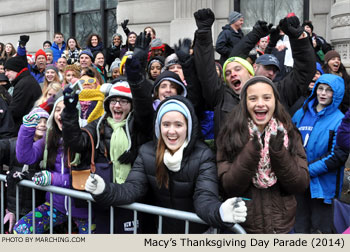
[26,17]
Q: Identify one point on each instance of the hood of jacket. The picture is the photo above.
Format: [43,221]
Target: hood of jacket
[337,84]
[192,121]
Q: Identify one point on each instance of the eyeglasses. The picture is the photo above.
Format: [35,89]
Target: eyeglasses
[321,89]
[122,102]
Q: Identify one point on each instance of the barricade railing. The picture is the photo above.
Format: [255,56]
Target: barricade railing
[135,207]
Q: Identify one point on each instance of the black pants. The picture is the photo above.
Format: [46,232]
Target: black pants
[313,215]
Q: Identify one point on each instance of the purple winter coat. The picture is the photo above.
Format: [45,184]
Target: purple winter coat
[30,152]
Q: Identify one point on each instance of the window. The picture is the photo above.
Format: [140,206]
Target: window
[271,11]
[80,18]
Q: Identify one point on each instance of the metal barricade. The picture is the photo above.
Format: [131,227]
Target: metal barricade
[136,207]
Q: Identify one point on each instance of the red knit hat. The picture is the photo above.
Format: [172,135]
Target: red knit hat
[40,52]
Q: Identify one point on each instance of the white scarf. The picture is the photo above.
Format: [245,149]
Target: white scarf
[173,162]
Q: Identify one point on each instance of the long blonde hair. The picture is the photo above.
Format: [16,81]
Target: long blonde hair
[53,85]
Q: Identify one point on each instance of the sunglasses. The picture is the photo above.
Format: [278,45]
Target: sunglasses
[88,81]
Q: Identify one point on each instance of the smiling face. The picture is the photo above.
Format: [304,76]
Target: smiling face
[166,89]
[260,104]
[132,39]
[236,76]
[50,75]
[99,59]
[115,73]
[40,129]
[116,41]
[94,41]
[324,96]
[334,64]
[57,116]
[173,130]
[177,68]
[85,60]
[119,107]
[61,63]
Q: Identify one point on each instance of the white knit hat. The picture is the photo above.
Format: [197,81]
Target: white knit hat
[120,88]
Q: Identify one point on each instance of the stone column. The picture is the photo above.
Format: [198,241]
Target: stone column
[340,29]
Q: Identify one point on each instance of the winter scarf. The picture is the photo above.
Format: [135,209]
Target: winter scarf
[88,95]
[173,162]
[119,144]
[264,176]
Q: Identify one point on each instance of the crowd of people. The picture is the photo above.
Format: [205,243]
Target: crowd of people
[259,137]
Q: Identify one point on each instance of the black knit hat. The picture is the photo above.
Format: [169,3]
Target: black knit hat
[172,77]
[308,23]
[15,64]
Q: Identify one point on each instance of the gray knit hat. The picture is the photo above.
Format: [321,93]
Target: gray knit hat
[115,64]
[234,16]
[52,67]
[48,50]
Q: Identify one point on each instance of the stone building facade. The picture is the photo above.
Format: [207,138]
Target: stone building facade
[172,19]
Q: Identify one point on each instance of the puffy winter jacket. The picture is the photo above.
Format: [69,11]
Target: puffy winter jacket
[193,188]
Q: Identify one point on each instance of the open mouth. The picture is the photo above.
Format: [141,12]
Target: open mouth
[236,84]
[172,139]
[260,115]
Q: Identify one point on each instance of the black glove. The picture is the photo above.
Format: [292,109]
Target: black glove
[276,141]
[262,28]
[133,70]
[142,48]
[274,36]
[204,19]
[127,157]
[70,99]
[13,177]
[182,50]
[291,27]
[124,23]
[255,141]
[23,39]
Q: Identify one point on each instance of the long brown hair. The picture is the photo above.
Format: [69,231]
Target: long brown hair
[234,135]
[162,176]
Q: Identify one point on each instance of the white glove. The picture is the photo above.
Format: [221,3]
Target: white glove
[233,210]
[95,184]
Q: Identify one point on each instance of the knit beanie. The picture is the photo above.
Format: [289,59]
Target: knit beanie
[48,50]
[88,53]
[241,61]
[120,88]
[173,105]
[115,64]
[41,113]
[234,16]
[156,44]
[172,59]
[52,67]
[15,64]
[172,77]
[263,79]
[40,52]
[331,54]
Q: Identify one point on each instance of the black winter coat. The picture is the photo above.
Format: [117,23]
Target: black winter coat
[8,157]
[25,93]
[194,188]
[227,40]
[222,99]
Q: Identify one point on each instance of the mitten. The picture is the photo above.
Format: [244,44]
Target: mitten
[182,50]
[31,120]
[42,178]
[133,70]
[262,29]
[23,39]
[70,99]
[204,19]
[95,184]
[291,27]
[13,177]
[124,24]
[276,141]
[274,36]
[256,143]
[233,210]
[142,48]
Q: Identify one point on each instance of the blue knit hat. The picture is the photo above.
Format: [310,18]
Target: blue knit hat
[319,68]
[87,52]
[174,105]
